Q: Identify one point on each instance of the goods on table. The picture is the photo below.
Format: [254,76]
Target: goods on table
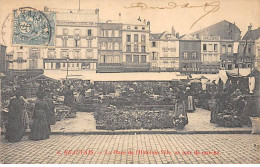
[229,120]
[62,112]
[111,118]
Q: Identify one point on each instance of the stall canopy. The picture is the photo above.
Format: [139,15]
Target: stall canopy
[137,76]
[41,77]
[244,72]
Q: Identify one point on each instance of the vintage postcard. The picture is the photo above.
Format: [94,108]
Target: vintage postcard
[130,82]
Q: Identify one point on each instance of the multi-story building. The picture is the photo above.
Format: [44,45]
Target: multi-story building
[164,51]
[210,54]
[27,61]
[248,54]
[3,64]
[229,35]
[76,41]
[190,54]
[135,39]
[110,55]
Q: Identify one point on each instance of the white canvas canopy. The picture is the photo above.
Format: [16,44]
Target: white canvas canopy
[137,76]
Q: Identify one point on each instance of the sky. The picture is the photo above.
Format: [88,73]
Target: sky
[182,13]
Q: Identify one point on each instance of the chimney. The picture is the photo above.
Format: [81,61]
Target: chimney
[177,35]
[250,27]
[119,17]
[148,23]
[97,11]
[46,9]
[144,21]
[173,31]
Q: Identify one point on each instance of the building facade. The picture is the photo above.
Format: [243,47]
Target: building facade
[76,42]
[3,61]
[135,39]
[248,54]
[190,54]
[110,55]
[229,35]
[27,61]
[210,54]
[164,52]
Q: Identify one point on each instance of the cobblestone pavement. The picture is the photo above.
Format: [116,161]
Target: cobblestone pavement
[137,149]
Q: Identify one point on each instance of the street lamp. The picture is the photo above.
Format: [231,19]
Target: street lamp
[67,66]
[1,76]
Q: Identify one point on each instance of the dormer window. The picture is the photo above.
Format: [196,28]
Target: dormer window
[167,36]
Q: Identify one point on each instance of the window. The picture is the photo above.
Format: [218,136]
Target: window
[204,47]
[51,54]
[128,48]
[85,65]
[185,55]
[65,31]
[76,55]
[136,27]
[135,37]
[143,28]
[153,44]
[57,65]
[64,42]
[186,46]
[136,59]
[194,55]
[110,33]
[19,65]
[116,45]
[110,46]
[215,47]
[77,42]
[89,32]
[103,46]
[129,58]
[194,45]
[210,47]
[223,49]
[143,38]
[136,48]
[143,58]
[128,27]
[154,56]
[143,49]
[20,55]
[229,48]
[116,33]
[64,54]
[128,38]
[103,33]
[89,43]
[76,31]
[89,54]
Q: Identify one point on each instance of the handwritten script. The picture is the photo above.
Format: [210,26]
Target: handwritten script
[208,7]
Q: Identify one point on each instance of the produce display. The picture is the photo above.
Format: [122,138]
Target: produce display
[111,118]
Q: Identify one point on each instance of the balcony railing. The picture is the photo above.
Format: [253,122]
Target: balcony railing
[136,65]
[109,64]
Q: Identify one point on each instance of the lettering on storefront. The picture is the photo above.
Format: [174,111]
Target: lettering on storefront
[211,38]
[166,49]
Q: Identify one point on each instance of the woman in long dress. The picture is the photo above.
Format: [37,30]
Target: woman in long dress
[180,114]
[16,120]
[40,129]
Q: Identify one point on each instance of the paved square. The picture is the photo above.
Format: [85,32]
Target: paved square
[134,149]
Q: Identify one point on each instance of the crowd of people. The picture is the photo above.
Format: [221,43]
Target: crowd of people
[185,96]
